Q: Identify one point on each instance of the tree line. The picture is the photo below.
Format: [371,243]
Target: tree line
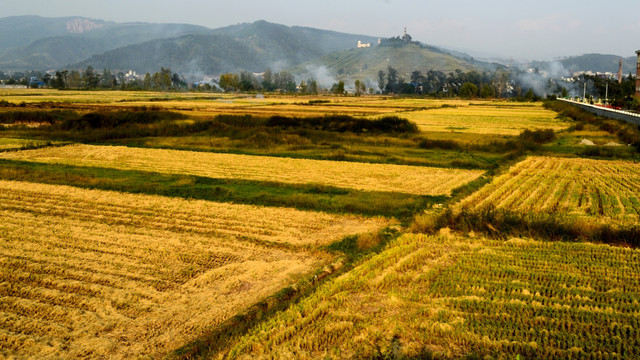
[436,83]
[92,79]
[268,81]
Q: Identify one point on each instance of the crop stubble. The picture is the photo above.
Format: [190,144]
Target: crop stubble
[596,189]
[452,296]
[416,180]
[90,273]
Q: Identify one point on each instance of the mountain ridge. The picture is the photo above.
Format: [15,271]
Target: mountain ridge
[41,43]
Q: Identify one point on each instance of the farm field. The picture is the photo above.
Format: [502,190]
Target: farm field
[207,104]
[207,225]
[447,296]
[600,190]
[437,115]
[360,176]
[16,144]
[91,273]
[486,118]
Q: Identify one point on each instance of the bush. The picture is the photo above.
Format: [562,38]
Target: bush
[538,136]
[344,123]
[111,120]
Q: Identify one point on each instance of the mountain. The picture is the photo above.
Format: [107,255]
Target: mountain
[36,43]
[20,31]
[364,63]
[33,42]
[599,63]
[191,54]
[295,41]
[592,62]
[251,47]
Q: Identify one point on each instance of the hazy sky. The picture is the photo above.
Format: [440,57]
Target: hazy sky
[539,29]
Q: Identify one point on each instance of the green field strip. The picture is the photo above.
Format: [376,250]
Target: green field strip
[307,197]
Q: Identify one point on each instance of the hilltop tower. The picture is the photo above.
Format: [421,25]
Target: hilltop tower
[638,74]
[407,38]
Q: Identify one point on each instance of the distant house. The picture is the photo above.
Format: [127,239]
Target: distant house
[363,45]
[34,82]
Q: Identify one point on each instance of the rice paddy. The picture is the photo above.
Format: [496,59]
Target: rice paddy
[90,273]
[360,176]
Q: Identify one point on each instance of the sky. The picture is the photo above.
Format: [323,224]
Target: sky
[531,30]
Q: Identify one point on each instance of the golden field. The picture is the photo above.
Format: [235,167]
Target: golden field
[434,115]
[361,176]
[90,273]
[600,190]
[15,144]
[211,104]
[486,118]
[446,296]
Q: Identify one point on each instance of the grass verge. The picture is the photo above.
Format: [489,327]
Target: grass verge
[304,197]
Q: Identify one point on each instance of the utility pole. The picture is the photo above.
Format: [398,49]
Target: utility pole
[584,93]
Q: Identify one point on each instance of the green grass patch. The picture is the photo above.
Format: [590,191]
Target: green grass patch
[304,197]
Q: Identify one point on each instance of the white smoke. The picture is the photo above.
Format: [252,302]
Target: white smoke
[543,81]
[321,75]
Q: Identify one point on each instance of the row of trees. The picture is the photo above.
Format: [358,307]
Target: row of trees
[269,81]
[91,79]
[437,83]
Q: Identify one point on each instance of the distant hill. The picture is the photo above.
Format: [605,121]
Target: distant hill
[364,63]
[599,63]
[595,63]
[252,47]
[38,43]
[32,42]
[297,43]
[191,54]
[21,31]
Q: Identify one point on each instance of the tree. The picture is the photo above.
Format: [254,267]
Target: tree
[90,78]
[146,83]
[487,91]
[304,88]
[166,77]
[418,80]
[60,79]
[359,87]
[468,90]
[176,81]
[529,96]
[392,80]
[229,82]
[285,81]
[248,82]
[107,78]
[313,86]
[74,80]
[267,80]
[338,88]
[381,78]
[500,80]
